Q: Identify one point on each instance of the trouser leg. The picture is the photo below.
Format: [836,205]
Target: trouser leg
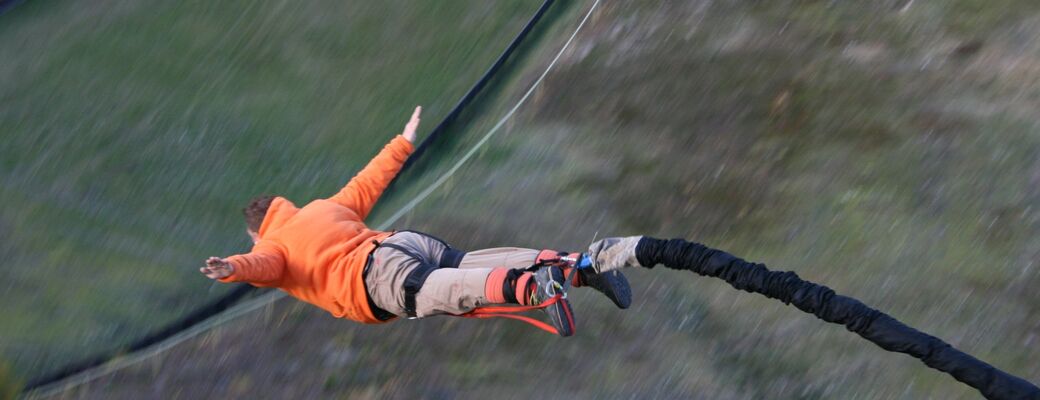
[458,291]
[452,291]
[499,257]
[446,290]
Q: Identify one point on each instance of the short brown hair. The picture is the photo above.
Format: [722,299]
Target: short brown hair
[256,210]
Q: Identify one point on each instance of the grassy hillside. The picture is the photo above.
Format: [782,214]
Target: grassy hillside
[886,149]
[134,131]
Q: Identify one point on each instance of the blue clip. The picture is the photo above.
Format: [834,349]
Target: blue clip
[584,261]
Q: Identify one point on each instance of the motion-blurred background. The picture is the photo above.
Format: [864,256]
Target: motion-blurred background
[887,149]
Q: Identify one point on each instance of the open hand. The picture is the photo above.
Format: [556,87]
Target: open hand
[409,128]
[217,268]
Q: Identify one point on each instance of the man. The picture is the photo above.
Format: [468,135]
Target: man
[324,254]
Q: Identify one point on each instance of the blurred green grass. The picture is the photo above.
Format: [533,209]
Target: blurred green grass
[886,149]
[135,130]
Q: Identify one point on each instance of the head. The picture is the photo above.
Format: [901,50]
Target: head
[255,212]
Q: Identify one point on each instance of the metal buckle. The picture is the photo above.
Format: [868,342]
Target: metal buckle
[551,290]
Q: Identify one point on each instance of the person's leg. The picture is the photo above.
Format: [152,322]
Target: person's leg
[500,257]
[446,290]
[453,291]
[474,285]
[464,289]
[511,258]
[484,277]
[508,260]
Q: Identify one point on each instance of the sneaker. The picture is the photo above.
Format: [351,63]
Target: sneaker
[612,284]
[548,282]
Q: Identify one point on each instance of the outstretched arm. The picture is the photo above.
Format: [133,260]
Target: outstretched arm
[264,266]
[365,188]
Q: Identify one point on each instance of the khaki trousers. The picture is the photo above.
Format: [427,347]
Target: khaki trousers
[446,290]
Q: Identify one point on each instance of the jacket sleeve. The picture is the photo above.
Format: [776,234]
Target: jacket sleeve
[263,266]
[364,189]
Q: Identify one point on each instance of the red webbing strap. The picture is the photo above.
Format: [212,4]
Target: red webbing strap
[510,312]
[521,288]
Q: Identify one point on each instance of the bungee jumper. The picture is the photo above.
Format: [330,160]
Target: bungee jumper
[323,254]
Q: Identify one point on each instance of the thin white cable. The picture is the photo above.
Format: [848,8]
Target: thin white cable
[425,193]
[119,363]
[268,298]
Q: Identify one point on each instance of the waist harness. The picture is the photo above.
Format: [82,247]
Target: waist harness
[450,258]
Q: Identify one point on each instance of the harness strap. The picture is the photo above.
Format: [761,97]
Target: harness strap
[413,283]
[568,261]
[450,258]
[521,289]
[406,251]
[510,312]
[548,255]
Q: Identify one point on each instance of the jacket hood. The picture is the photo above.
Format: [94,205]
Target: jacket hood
[281,209]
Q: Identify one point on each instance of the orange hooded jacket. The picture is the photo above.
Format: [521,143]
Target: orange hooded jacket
[317,253]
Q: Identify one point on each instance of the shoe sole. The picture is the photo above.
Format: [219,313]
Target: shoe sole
[563,317]
[614,285]
[560,313]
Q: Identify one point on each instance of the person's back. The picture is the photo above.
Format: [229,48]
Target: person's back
[323,247]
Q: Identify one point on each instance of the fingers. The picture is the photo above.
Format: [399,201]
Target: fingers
[412,125]
[216,274]
[414,122]
[209,272]
[216,268]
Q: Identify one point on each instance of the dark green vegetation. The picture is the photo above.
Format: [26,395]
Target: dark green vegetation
[886,149]
[134,131]
[10,384]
